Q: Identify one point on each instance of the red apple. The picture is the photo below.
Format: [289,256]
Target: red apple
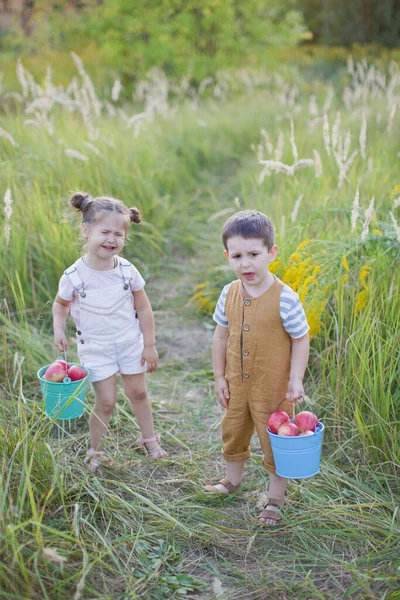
[288,429]
[276,419]
[75,372]
[63,363]
[308,432]
[55,372]
[306,421]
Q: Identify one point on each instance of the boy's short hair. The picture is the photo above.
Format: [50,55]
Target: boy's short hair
[249,224]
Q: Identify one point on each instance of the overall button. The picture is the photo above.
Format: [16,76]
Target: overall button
[245,352]
[246,375]
[247,302]
[246,328]
[82,342]
[79,332]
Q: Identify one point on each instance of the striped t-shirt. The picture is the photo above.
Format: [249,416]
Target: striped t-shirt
[292,313]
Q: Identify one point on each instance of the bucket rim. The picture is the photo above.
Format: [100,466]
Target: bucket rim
[61,382]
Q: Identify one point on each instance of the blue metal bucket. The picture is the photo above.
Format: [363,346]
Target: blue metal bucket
[297,457]
[63,400]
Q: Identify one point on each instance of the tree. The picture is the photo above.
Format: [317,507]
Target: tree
[340,22]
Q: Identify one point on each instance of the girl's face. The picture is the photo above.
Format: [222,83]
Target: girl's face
[106,236]
[250,259]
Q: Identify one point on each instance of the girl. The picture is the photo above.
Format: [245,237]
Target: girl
[114,320]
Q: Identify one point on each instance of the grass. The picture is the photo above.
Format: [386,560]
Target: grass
[145,530]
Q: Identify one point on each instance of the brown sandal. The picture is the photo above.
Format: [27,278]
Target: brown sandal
[269,513]
[212,489]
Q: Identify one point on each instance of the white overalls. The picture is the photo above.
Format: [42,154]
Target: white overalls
[109,339]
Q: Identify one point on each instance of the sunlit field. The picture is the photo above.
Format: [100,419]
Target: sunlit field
[322,161]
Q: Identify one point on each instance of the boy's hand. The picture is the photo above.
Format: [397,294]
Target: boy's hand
[295,391]
[222,391]
[60,339]
[150,355]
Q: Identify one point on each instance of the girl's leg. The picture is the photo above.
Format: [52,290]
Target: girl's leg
[106,397]
[136,390]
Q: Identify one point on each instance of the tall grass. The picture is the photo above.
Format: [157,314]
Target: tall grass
[145,530]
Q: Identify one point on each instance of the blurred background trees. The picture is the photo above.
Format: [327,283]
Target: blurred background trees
[344,22]
[186,38]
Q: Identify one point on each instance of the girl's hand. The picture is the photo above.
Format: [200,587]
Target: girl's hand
[295,391]
[60,339]
[222,391]
[150,355]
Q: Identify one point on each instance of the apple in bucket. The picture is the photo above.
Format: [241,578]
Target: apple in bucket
[62,362]
[75,372]
[60,369]
[306,421]
[55,372]
[288,429]
[276,419]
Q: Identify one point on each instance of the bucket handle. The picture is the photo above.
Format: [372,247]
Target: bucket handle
[295,404]
[66,379]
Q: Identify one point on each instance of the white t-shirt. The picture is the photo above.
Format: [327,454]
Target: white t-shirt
[95,280]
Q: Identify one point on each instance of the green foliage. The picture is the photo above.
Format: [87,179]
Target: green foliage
[195,38]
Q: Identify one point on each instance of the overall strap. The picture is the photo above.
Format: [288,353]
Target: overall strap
[77,283]
[125,268]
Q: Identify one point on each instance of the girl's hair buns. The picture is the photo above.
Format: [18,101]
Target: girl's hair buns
[134,215]
[92,207]
[80,201]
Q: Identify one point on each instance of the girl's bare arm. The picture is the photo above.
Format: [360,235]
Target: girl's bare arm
[146,321]
[60,311]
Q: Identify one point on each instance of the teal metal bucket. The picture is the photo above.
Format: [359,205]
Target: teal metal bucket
[297,457]
[63,400]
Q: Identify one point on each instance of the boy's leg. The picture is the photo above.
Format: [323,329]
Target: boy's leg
[234,472]
[237,429]
[276,492]
[277,484]
[106,397]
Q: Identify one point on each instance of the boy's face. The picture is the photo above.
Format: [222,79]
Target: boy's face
[250,259]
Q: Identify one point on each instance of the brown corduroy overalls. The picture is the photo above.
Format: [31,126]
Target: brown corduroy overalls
[257,370]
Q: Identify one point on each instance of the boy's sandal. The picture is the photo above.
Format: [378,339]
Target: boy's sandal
[271,514]
[154,453]
[212,489]
[92,459]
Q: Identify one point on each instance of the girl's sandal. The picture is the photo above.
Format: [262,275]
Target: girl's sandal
[93,459]
[212,489]
[154,453]
[271,514]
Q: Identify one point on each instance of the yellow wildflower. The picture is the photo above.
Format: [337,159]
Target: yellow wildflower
[377,232]
[364,272]
[361,301]
[395,191]
[274,267]
[344,279]
[315,272]
[303,244]
[295,257]
[345,264]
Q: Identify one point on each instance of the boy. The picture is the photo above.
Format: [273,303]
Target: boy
[260,352]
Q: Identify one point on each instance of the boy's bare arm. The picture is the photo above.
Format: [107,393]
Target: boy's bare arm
[298,365]
[60,311]
[220,344]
